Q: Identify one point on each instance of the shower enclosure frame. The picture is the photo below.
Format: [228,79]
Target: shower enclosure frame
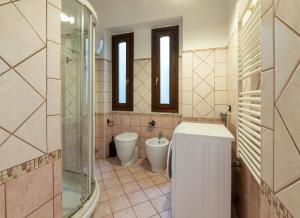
[89,199]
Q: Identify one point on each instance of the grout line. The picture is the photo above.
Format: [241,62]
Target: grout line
[287,82]
[27,21]
[273,100]
[28,83]
[287,129]
[287,186]
[287,25]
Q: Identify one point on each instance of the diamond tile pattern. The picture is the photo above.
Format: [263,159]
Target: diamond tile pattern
[142,86]
[17,40]
[23,82]
[18,100]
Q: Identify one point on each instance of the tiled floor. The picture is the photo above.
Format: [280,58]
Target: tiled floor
[130,192]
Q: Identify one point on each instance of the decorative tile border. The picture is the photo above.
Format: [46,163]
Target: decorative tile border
[28,166]
[280,210]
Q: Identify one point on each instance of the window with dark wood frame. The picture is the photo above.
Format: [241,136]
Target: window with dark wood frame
[122,72]
[165,54]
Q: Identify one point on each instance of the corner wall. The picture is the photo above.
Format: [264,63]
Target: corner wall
[30,111]
[280,108]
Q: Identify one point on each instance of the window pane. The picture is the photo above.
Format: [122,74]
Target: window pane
[165,70]
[122,73]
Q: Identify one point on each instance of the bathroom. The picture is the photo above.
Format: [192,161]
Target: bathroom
[220,77]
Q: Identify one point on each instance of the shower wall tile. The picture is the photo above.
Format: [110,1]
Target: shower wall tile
[56,3]
[22,194]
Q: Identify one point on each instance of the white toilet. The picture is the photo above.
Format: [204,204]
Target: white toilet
[127,150]
[156,151]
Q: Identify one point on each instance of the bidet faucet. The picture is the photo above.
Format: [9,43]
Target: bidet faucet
[159,135]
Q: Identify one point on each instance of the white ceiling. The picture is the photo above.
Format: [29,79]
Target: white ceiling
[205,22]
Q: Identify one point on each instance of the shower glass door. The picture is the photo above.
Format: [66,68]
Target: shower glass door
[77,101]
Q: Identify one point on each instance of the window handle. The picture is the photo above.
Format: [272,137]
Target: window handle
[156,81]
[127,81]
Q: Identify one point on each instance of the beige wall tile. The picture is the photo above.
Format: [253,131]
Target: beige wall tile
[53,60]
[289,104]
[14,152]
[267,96]
[265,6]
[33,130]
[22,194]
[56,3]
[3,136]
[220,55]
[267,41]
[54,133]
[53,24]
[35,13]
[18,41]
[288,10]
[290,198]
[286,156]
[287,55]
[267,152]
[15,94]
[220,69]
[34,71]
[3,66]
[53,97]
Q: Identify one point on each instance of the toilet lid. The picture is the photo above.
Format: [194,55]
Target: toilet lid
[127,136]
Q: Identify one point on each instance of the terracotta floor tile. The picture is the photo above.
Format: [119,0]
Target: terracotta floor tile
[115,192]
[122,172]
[153,192]
[159,179]
[161,203]
[103,196]
[131,187]
[166,214]
[144,210]
[127,213]
[126,179]
[140,175]
[110,183]
[102,210]
[165,187]
[119,203]
[109,175]
[146,183]
[137,197]
[135,169]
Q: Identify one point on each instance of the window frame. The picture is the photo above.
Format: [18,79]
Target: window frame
[116,39]
[173,33]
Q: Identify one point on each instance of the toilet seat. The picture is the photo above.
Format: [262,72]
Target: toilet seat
[127,136]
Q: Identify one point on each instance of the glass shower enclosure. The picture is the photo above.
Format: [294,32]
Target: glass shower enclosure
[77,61]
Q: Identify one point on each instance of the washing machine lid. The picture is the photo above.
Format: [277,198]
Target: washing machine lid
[127,136]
